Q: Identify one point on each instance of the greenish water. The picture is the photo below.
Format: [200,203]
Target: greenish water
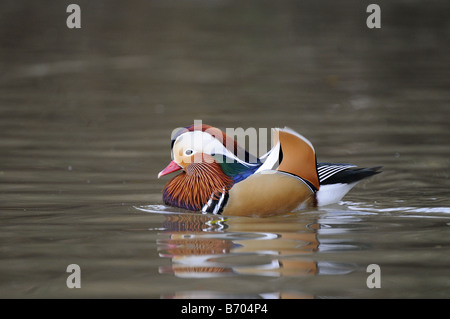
[85,123]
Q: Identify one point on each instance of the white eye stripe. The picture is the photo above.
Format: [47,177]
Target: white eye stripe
[202,142]
[195,142]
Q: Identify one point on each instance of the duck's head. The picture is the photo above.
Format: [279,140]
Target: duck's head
[209,162]
[199,144]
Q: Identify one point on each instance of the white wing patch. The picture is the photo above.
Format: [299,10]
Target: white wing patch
[271,162]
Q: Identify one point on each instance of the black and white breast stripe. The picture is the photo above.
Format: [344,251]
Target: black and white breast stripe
[216,204]
[326,170]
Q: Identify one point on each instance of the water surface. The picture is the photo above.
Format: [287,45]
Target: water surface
[85,123]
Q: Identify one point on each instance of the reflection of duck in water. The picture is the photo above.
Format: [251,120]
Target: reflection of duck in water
[216,180]
[196,250]
[184,242]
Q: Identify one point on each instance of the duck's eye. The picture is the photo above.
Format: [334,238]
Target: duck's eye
[188,152]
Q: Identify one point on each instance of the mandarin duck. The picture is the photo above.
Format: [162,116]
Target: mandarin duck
[214,179]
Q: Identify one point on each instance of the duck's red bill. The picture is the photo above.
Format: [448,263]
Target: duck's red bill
[172,167]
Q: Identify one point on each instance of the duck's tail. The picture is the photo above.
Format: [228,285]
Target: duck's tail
[336,180]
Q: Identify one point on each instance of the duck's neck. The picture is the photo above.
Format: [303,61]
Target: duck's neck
[193,188]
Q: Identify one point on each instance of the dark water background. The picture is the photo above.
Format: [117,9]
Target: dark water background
[85,122]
